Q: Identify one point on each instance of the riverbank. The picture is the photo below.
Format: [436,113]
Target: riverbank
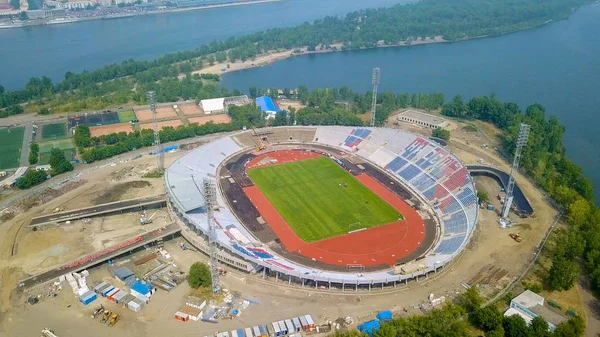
[75,19]
[222,68]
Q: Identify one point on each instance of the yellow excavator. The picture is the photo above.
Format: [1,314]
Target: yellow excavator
[261,146]
[114,319]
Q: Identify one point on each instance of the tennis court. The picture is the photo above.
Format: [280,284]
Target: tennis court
[126,116]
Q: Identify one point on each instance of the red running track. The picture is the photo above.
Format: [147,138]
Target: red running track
[282,157]
[379,245]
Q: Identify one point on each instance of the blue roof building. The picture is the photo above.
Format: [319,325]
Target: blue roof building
[266,104]
[142,288]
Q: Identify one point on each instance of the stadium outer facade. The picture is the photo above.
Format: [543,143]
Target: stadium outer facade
[430,172]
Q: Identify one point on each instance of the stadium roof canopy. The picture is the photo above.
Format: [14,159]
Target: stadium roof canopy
[266,104]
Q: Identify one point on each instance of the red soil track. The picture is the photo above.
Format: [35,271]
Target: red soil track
[380,245]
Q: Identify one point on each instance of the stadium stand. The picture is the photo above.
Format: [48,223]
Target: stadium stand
[426,168]
[450,245]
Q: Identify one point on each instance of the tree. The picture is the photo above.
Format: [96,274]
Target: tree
[495,333]
[441,133]
[31,178]
[199,276]
[562,274]
[470,300]
[488,318]
[33,158]
[83,136]
[44,111]
[515,326]
[574,327]
[539,327]
[482,196]
[58,162]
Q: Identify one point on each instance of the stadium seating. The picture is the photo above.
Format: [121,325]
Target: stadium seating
[467,196]
[444,168]
[409,172]
[449,205]
[423,182]
[436,192]
[356,137]
[456,224]
[396,164]
[458,179]
[416,147]
[450,245]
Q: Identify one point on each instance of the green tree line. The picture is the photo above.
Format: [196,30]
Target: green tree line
[400,24]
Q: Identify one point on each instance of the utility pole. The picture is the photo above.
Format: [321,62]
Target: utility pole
[375,82]
[522,138]
[160,166]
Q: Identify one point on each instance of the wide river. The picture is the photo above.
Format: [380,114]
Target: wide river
[556,65]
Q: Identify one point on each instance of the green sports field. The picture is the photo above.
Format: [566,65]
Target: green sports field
[66,145]
[312,198]
[11,140]
[126,116]
[54,131]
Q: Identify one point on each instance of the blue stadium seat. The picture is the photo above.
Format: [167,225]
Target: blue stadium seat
[396,164]
[409,172]
[450,245]
[456,224]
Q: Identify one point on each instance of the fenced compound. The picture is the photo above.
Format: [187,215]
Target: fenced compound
[94,119]
[127,116]
[65,145]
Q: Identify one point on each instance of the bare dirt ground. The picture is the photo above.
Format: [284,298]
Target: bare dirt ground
[161,112]
[215,119]
[190,109]
[490,247]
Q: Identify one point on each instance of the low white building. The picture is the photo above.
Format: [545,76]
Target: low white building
[530,305]
[213,106]
[422,119]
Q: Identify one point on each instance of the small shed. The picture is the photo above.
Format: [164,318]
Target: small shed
[122,273]
[180,316]
[133,306]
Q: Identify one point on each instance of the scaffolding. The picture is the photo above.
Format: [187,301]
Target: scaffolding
[210,199]
[160,166]
[522,138]
[375,82]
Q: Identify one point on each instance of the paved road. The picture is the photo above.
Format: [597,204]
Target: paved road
[591,306]
[27,138]
[97,210]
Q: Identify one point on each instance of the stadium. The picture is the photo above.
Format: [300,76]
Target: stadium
[332,207]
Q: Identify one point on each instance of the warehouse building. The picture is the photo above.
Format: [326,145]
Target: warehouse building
[213,105]
[422,119]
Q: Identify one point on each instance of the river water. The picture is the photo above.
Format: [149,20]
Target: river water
[53,50]
[556,65]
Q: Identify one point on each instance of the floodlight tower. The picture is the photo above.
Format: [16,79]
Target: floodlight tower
[375,81]
[210,198]
[521,142]
[160,166]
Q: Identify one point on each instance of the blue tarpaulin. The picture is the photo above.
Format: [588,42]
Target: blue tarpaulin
[266,104]
[384,315]
[369,327]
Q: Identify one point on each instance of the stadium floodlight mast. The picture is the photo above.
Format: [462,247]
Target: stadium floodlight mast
[375,81]
[210,198]
[522,138]
[160,166]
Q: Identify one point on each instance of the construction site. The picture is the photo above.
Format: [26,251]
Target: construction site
[103,252]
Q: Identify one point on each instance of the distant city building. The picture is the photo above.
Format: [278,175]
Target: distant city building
[37,14]
[530,305]
[422,119]
[70,5]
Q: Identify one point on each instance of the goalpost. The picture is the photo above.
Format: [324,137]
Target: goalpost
[354,268]
[355,227]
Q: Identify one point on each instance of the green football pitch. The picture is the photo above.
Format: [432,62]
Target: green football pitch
[54,131]
[319,199]
[11,140]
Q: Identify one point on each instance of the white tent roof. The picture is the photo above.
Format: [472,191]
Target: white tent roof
[213,104]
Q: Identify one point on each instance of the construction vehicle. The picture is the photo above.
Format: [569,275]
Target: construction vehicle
[106,316]
[114,319]
[261,146]
[97,311]
[515,237]
[48,333]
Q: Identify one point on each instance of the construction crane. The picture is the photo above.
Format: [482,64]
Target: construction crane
[261,145]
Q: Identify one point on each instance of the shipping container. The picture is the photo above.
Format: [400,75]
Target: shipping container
[276,330]
[225,334]
[134,306]
[311,323]
[142,298]
[120,296]
[88,298]
[297,325]
[303,322]
[283,328]
[111,295]
[240,332]
[220,334]
[99,286]
[107,290]
[270,332]
[234,333]
[182,316]
[256,331]
[248,332]
[263,331]
[289,326]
